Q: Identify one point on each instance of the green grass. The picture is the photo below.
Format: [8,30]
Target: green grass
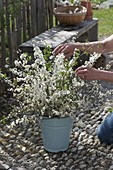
[105,23]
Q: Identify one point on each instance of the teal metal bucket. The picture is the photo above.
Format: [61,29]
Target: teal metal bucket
[56,133]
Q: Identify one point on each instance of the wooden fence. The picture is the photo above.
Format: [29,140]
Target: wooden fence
[20,20]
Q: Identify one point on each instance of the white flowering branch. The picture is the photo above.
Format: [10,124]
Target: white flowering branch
[47,86]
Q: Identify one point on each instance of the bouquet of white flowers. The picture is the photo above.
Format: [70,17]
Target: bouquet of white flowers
[46,85]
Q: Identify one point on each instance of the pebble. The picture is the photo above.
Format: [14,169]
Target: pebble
[80,147]
[73,150]
[69,162]
[111,167]
[90,168]
[82,166]
[53,168]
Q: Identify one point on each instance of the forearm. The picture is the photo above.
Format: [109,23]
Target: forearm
[91,47]
[103,46]
[90,73]
[105,75]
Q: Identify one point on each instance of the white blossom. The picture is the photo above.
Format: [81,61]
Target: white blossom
[92,59]
[23,56]
[17,63]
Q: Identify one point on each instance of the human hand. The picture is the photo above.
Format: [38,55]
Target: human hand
[67,49]
[87,73]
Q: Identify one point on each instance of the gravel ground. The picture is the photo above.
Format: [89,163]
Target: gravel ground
[22,146]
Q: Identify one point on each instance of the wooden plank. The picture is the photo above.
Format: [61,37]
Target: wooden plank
[28,19]
[19,25]
[7,2]
[50,12]
[41,16]
[24,25]
[33,18]
[15,31]
[3,47]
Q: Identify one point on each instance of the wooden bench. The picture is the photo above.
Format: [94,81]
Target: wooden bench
[87,30]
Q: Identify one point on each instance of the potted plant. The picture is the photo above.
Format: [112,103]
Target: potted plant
[47,86]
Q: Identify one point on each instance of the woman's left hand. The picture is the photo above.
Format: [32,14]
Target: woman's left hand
[87,73]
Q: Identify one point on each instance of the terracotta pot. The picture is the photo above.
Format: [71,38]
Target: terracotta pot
[89,13]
